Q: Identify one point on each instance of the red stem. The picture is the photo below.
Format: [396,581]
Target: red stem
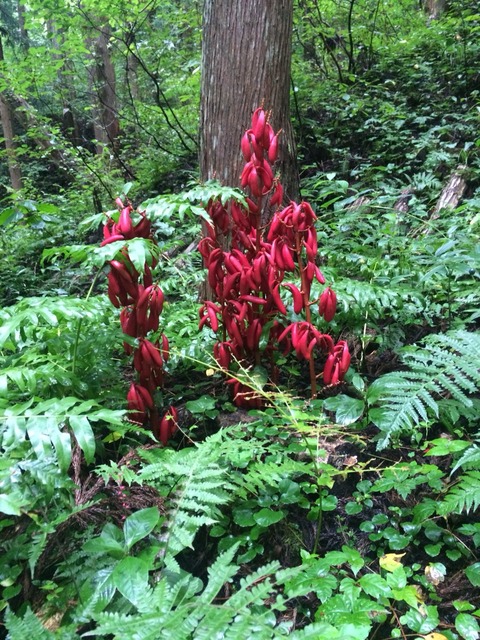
[308,315]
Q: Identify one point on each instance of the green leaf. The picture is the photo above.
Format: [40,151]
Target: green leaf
[473,574]
[139,525]
[421,621]
[347,410]
[138,250]
[201,405]
[267,517]
[130,577]
[84,435]
[467,626]
[444,447]
[63,448]
[375,586]
[110,541]
[244,517]
[353,559]
[10,505]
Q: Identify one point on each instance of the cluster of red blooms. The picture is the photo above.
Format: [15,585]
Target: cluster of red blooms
[248,280]
[141,304]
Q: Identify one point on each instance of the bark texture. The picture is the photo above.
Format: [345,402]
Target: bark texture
[106,123]
[434,8]
[452,193]
[6,121]
[245,64]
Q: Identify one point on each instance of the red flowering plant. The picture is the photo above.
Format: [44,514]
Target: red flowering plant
[250,279]
[141,304]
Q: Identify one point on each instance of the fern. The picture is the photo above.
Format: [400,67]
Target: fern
[446,366]
[464,496]
[469,459]
[29,626]
[177,612]
[197,486]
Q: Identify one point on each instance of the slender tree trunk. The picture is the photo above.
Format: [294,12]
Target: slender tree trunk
[8,136]
[65,75]
[434,8]
[107,126]
[245,64]
[21,25]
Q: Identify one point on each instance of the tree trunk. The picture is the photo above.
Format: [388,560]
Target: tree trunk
[8,136]
[21,25]
[245,64]
[106,123]
[434,8]
[452,193]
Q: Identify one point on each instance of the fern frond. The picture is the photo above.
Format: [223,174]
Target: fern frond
[29,626]
[463,496]
[196,485]
[469,459]
[447,366]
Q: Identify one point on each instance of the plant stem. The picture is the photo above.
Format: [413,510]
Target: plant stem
[80,322]
[319,523]
[308,315]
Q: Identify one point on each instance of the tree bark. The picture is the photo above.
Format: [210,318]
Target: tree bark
[245,64]
[452,193]
[8,137]
[106,123]
[434,8]
[21,25]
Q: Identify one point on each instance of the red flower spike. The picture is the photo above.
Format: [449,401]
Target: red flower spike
[128,321]
[143,228]
[328,304]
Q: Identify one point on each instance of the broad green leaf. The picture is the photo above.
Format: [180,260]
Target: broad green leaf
[138,250]
[110,541]
[422,621]
[63,448]
[347,410]
[84,435]
[375,586]
[130,576]
[11,505]
[467,626]
[139,525]
[473,574]
[353,558]
[444,447]
[267,517]
[201,405]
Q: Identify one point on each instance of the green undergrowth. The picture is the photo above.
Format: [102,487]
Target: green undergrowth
[352,515]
